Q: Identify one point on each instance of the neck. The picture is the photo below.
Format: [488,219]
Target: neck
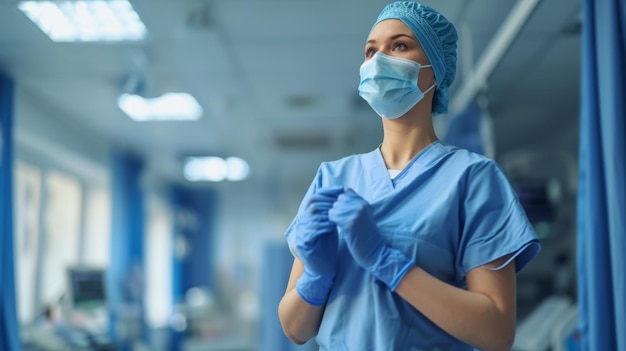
[404,138]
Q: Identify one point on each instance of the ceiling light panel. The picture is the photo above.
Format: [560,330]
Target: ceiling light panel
[86,21]
[215,169]
[167,107]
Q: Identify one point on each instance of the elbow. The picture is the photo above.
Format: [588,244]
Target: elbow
[499,338]
[293,337]
[501,342]
[505,344]
[498,347]
[290,327]
[506,339]
[503,335]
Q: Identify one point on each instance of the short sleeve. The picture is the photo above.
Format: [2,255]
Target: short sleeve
[494,224]
[290,232]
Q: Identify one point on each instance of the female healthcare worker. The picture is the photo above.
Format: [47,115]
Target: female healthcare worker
[415,245]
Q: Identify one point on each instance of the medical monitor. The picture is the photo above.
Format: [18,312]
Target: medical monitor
[534,198]
[87,287]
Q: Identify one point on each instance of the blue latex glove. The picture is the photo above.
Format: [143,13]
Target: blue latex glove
[316,246]
[353,215]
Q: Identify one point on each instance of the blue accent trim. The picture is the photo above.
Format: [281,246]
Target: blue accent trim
[602,170]
[9,326]
[126,268]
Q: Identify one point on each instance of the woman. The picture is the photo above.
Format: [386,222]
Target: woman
[415,245]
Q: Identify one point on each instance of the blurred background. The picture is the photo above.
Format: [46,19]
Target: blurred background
[155,173]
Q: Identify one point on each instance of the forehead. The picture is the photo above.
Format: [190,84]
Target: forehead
[388,28]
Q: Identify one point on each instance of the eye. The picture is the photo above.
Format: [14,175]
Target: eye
[369,52]
[400,46]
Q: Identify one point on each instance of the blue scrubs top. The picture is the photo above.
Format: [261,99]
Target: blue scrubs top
[450,210]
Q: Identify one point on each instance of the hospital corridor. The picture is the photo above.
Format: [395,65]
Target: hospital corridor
[333,175]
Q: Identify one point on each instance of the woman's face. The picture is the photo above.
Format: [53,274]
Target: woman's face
[392,37]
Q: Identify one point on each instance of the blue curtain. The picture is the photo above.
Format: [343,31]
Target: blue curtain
[602,177]
[176,337]
[194,222]
[197,266]
[277,261]
[464,130]
[276,266]
[126,270]
[9,327]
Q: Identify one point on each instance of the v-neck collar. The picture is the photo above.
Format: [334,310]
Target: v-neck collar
[378,173]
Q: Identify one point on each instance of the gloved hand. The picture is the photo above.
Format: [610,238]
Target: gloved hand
[316,245]
[353,215]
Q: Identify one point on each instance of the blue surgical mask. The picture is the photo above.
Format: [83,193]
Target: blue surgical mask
[389,84]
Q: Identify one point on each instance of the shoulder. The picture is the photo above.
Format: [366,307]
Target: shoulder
[465,161]
[346,170]
[347,163]
[475,174]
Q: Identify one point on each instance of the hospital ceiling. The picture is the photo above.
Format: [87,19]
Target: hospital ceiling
[277,78]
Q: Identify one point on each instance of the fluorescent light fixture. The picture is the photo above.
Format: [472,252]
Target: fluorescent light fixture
[215,169]
[236,169]
[85,20]
[211,169]
[167,107]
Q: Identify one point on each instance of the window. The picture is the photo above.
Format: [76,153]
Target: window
[27,198]
[158,262]
[62,233]
[97,227]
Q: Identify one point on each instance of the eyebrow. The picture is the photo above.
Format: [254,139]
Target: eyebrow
[393,37]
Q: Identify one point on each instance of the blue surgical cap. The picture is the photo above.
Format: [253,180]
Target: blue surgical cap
[437,37]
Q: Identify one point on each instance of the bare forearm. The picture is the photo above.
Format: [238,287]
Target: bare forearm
[300,321]
[469,316]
